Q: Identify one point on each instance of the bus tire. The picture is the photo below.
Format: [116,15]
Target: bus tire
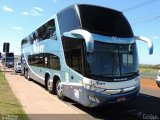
[28,77]
[49,84]
[27,74]
[59,90]
[24,71]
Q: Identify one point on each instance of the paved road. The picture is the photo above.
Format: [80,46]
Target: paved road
[148,75]
[149,87]
[40,105]
[143,107]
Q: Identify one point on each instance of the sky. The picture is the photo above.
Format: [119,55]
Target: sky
[19,18]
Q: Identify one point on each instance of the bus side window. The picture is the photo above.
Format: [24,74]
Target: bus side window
[47,31]
[45,60]
[54,62]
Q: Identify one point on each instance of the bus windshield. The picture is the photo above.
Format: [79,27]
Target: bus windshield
[9,54]
[112,60]
[105,21]
[9,59]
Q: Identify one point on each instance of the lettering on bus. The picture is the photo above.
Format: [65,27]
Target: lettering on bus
[37,48]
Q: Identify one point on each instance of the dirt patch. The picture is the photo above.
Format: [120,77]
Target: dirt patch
[149,83]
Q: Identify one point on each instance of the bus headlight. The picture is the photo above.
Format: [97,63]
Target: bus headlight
[96,89]
[87,86]
[93,88]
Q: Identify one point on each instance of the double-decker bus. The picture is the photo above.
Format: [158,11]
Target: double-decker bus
[87,53]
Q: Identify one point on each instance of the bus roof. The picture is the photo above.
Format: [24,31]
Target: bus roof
[89,5]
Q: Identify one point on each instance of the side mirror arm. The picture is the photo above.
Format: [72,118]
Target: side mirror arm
[78,33]
[148,41]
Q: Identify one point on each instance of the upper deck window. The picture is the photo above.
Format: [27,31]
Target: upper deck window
[68,20]
[104,21]
[46,31]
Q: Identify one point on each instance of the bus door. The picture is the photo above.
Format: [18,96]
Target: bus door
[74,55]
[76,74]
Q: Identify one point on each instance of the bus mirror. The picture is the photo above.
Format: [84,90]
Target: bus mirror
[79,33]
[148,41]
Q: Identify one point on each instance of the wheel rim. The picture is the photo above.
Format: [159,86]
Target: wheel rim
[59,89]
[49,84]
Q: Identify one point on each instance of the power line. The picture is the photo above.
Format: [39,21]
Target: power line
[148,17]
[147,20]
[139,5]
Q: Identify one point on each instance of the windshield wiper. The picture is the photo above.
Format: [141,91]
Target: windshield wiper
[131,73]
[108,75]
[105,75]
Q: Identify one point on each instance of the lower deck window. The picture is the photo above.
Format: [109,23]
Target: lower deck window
[45,60]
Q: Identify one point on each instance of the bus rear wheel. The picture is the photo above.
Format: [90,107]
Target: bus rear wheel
[49,85]
[59,90]
[27,74]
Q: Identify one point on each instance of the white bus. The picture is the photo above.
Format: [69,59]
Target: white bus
[87,53]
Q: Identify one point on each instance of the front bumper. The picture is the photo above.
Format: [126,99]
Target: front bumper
[18,68]
[94,99]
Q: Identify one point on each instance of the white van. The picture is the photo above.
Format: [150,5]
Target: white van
[158,79]
[17,67]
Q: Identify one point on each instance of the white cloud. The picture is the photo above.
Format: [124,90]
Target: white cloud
[16,28]
[155,37]
[25,13]
[36,11]
[8,9]
[38,8]
[55,1]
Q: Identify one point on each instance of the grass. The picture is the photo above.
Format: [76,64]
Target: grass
[149,69]
[10,107]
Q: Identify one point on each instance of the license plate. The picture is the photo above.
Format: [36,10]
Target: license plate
[121,99]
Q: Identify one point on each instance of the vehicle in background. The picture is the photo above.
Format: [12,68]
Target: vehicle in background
[0,56]
[87,53]
[9,64]
[9,57]
[17,67]
[158,79]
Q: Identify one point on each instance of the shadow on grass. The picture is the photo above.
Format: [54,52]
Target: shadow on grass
[18,105]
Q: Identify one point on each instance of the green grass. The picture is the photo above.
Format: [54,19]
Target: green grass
[150,69]
[10,107]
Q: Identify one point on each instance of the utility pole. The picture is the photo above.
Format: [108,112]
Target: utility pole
[5,68]
[5,50]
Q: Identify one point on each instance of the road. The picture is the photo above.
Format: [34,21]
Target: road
[148,75]
[40,105]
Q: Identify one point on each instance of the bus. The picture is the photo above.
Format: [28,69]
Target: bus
[0,55]
[8,59]
[87,53]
